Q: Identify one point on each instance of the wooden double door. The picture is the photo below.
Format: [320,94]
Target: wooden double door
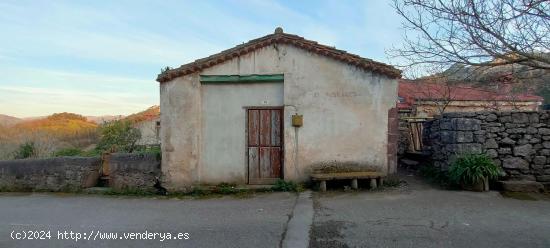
[265,145]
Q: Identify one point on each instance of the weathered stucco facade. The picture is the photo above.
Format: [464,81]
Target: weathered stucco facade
[344,107]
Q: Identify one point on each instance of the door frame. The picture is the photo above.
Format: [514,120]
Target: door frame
[282,109]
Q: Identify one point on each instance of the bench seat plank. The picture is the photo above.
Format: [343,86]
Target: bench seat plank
[346,175]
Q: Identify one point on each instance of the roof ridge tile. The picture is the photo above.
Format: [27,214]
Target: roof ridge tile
[295,40]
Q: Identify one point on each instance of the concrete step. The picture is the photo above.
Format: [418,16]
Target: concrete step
[522,186]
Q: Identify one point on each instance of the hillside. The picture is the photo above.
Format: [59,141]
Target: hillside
[146,115]
[58,124]
[104,118]
[8,121]
[513,78]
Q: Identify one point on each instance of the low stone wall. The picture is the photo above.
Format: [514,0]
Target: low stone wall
[134,171]
[517,141]
[54,174]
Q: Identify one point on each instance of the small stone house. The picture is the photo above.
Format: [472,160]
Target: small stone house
[276,107]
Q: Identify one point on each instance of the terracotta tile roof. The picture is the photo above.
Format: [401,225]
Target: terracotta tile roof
[410,91]
[280,38]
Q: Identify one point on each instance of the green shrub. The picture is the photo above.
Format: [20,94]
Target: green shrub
[282,185]
[68,152]
[91,153]
[26,150]
[472,168]
[226,188]
[118,136]
[153,150]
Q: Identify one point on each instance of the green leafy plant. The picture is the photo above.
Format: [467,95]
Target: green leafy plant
[26,150]
[153,150]
[282,185]
[118,136]
[226,188]
[470,169]
[68,152]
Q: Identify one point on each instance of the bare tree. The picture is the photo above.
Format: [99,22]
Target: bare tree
[476,33]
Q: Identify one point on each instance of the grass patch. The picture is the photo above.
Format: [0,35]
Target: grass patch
[129,192]
[391,181]
[287,186]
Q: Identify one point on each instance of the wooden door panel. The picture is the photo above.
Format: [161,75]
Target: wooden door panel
[275,162]
[253,162]
[253,128]
[265,162]
[265,127]
[275,127]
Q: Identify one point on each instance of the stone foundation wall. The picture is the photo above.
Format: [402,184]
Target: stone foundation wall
[134,171]
[517,141]
[54,174]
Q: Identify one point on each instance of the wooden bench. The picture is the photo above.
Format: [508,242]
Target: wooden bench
[376,178]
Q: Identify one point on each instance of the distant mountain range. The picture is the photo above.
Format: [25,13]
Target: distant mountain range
[513,78]
[8,121]
[148,114]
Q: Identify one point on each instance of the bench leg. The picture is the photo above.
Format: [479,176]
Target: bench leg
[323,186]
[354,183]
[373,183]
[380,181]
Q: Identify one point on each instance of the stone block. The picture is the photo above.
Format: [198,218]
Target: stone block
[545,178]
[464,137]
[534,118]
[490,144]
[445,125]
[510,125]
[491,117]
[479,138]
[546,144]
[448,137]
[544,131]
[515,163]
[532,130]
[539,160]
[508,141]
[523,150]
[492,153]
[463,148]
[521,186]
[466,124]
[493,129]
[505,119]
[516,130]
[520,118]
[505,150]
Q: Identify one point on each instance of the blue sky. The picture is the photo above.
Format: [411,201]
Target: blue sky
[102,57]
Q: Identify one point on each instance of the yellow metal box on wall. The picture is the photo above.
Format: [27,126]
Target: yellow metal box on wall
[297,120]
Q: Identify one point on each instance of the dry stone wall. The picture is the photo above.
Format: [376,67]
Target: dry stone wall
[54,174]
[134,171]
[517,141]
